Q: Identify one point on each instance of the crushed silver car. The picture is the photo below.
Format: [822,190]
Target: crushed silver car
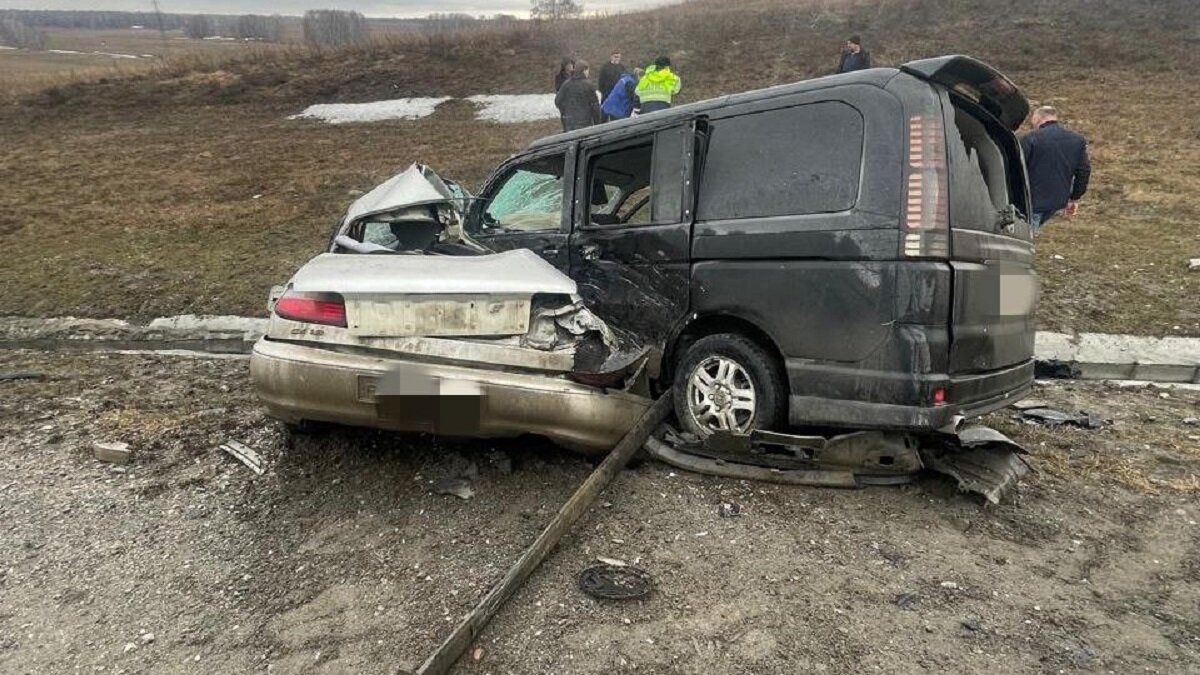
[407,324]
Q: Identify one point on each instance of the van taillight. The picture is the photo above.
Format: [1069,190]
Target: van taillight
[927,213]
[324,308]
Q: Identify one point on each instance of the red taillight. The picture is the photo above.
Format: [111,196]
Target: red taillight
[939,396]
[324,308]
[926,214]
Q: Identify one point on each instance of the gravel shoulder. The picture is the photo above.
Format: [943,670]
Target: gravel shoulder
[342,558]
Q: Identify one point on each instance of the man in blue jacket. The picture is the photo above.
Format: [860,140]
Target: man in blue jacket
[620,103]
[1058,165]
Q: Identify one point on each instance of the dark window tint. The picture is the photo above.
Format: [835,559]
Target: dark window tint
[791,161]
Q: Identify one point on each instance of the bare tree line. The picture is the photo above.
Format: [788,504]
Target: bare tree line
[16,33]
[244,27]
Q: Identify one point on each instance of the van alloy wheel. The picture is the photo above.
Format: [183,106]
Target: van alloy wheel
[721,395]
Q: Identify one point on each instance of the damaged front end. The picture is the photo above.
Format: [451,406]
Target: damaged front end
[440,334]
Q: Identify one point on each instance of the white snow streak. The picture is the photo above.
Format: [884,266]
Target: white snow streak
[395,109]
[108,54]
[515,108]
[505,109]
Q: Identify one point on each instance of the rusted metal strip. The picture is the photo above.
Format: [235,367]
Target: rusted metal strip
[473,623]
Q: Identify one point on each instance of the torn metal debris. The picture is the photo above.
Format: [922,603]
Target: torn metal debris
[1055,418]
[245,455]
[615,582]
[982,459]
[9,376]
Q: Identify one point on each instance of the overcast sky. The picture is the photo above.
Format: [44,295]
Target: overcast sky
[402,8]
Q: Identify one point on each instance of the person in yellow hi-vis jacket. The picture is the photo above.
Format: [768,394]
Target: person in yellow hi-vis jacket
[658,85]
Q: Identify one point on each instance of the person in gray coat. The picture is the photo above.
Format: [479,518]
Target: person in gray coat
[577,100]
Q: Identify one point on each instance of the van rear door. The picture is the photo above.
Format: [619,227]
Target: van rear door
[991,251]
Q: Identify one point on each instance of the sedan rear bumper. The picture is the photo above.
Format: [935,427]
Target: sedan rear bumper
[299,382]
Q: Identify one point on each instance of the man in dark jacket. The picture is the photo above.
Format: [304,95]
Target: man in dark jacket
[854,57]
[1058,165]
[610,73]
[577,100]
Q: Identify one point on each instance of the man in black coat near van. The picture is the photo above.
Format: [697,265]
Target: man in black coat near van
[1058,165]
[577,100]
[854,57]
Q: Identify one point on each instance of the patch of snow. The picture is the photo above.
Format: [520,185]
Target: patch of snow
[515,108]
[108,54]
[395,109]
[5,47]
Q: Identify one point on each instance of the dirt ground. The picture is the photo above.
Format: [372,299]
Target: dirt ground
[341,558]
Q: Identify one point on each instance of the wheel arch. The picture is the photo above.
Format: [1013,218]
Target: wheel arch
[712,324]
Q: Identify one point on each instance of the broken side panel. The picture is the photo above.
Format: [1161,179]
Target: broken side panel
[631,246]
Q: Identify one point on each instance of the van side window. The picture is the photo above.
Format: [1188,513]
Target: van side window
[800,160]
[640,184]
[529,199]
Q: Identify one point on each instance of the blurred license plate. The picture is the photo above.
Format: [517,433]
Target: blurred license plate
[437,315]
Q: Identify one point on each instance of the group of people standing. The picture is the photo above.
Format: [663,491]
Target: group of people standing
[618,93]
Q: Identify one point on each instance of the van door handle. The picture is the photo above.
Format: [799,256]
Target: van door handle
[550,251]
[590,251]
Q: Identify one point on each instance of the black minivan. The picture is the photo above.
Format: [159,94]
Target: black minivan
[848,251]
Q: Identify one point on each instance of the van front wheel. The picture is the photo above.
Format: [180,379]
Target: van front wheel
[726,382]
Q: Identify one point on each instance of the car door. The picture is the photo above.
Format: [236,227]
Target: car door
[630,248]
[526,206]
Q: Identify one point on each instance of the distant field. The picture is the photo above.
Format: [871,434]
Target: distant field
[102,53]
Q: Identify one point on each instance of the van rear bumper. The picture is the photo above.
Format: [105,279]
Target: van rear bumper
[849,397]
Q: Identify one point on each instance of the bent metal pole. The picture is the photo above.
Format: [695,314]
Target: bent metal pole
[473,623]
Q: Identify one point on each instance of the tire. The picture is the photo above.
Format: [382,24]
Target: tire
[726,403]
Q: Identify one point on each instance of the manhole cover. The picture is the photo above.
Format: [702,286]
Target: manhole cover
[614,582]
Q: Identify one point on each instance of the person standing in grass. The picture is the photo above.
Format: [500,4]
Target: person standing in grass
[609,74]
[658,86]
[577,101]
[622,100]
[1058,165]
[854,57]
[565,70]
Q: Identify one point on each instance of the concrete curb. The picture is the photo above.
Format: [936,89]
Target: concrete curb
[1099,356]
[189,332]
[1089,356]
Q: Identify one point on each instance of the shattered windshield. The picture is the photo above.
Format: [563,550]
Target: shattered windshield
[530,198]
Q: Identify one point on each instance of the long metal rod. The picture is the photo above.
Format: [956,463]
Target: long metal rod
[473,623]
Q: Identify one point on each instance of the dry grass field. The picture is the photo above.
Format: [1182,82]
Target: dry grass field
[184,188]
[77,54]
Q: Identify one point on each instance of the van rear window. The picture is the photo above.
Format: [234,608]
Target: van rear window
[985,175]
[792,161]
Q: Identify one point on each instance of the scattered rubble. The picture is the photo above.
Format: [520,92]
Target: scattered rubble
[114,453]
[615,582]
